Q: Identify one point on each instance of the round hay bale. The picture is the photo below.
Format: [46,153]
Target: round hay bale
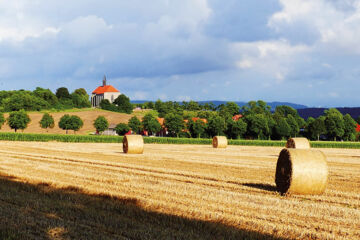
[301,171]
[219,142]
[133,144]
[302,143]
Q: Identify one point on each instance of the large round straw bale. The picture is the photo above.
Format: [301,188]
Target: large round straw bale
[219,142]
[133,144]
[301,171]
[302,143]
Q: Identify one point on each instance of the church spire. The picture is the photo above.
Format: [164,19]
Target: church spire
[104,81]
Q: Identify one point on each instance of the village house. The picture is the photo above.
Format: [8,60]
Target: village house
[104,92]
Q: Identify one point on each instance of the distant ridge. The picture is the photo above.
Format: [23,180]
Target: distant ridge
[316,112]
[273,105]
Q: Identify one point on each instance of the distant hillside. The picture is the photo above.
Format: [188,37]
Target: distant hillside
[87,116]
[273,105]
[316,112]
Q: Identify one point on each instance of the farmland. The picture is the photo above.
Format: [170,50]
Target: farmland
[94,191]
[87,115]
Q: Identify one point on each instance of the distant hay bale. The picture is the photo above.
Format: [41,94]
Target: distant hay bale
[302,143]
[133,144]
[301,171]
[219,142]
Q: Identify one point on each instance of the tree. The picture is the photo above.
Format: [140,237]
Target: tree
[2,120]
[349,128]
[230,108]
[358,120]
[77,123]
[257,125]
[153,126]
[238,128]
[334,122]
[80,98]
[24,100]
[149,105]
[81,91]
[294,127]
[216,125]
[191,106]
[196,128]
[106,105]
[46,95]
[47,121]
[68,122]
[150,123]
[285,110]
[134,124]
[18,120]
[122,128]
[174,123]
[123,103]
[62,93]
[101,124]
[259,107]
[283,130]
[316,127]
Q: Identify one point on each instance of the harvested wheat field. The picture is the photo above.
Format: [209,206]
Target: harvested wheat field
[95,191]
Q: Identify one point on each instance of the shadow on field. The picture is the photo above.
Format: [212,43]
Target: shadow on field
[267,187]
[30,211]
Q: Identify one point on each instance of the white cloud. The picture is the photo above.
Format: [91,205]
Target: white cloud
[273,58]
[336,29]
[244,64]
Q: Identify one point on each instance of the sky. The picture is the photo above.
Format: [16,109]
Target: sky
[299,51]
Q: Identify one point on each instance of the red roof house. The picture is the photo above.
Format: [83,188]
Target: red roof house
[237,117]
[103,92]
[104,89]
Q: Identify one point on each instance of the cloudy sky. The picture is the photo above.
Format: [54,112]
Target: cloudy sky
[301,51]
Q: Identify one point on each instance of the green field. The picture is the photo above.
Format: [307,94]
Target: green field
[161,140]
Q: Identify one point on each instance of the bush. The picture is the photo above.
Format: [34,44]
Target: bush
[101,124]
[18,120]
[68,122]
[122,128]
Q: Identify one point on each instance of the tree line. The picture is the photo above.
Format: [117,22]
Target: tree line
[256,121]
[42,99]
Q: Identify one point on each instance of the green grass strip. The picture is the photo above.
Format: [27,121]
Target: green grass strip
[8,136]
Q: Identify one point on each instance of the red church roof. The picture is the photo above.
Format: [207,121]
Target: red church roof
[104,89]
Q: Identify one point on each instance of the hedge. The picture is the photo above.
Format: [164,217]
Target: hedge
[160,140]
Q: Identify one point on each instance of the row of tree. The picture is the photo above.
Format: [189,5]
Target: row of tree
[41,99]
[20,120]
[255,122]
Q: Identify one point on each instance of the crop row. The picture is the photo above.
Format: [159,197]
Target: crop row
[160,140]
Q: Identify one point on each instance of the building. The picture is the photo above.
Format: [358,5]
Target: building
[104,92]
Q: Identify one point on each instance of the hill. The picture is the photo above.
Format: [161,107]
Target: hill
[316,112]
[88,116]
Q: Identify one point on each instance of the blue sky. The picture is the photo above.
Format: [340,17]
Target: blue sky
[301,51]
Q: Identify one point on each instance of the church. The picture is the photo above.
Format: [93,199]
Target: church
[104,92]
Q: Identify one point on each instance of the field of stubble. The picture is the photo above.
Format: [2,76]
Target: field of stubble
[94,191]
